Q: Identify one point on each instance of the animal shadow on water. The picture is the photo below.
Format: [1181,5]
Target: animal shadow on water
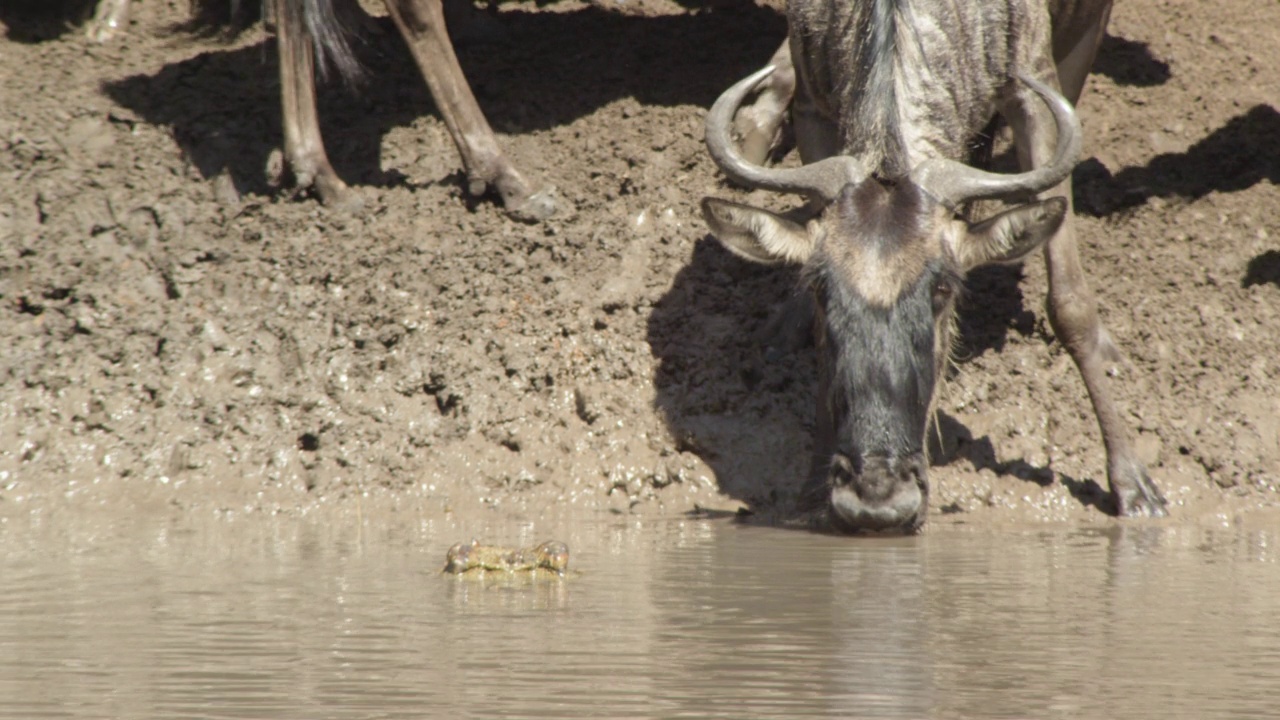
[548,69]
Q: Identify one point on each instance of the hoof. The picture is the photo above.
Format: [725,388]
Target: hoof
[109,21]
[101,32]
[1136,495]
[523,200]
[535,207]
[1147,503]
[337,195]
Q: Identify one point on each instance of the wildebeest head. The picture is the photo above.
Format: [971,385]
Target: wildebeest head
[884,260]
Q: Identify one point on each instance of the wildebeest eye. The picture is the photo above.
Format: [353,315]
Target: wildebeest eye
[943,290]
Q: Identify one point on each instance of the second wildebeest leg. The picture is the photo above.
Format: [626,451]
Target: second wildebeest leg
[1079,46]
[1073,312]
[303,145]
[109,19]
[759,125]
[422,24]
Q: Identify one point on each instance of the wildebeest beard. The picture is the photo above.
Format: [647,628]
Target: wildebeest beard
[878,373]
[878,366]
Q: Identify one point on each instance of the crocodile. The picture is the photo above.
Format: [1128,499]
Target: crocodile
[464,557]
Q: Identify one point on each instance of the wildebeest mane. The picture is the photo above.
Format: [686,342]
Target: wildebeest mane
[878,53]
[847,59]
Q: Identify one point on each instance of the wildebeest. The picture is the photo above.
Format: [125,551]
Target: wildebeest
[421,22]
[887,95]
[306,29]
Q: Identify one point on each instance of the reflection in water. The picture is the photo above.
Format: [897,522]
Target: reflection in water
[288,618]
[883,629]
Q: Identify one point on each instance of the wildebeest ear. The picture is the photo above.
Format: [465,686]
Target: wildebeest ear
[757,235]
[1011,235]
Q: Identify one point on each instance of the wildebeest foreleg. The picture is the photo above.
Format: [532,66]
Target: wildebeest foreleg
[303,146]
[109,19]
[422,24]
[759,125]
[1073,315]
[1080,39]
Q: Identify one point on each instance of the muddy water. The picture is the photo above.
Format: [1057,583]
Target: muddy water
[339,617]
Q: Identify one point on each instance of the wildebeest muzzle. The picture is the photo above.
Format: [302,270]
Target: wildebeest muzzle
[878,493]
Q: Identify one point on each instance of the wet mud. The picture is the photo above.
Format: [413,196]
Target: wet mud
[179,331]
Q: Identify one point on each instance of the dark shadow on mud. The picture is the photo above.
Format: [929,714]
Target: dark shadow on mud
[1129,62]
[549,69]
[223,109]
[37,21]
[992,306]
[1090,494]
[1263,269]
[1235,157]
[952,441]
[720,397]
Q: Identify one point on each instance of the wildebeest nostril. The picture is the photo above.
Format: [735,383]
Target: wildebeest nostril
[842,471]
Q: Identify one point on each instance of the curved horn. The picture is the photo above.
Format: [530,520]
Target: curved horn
[823,179]
[954,183]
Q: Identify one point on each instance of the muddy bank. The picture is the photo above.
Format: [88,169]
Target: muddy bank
[175,330]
